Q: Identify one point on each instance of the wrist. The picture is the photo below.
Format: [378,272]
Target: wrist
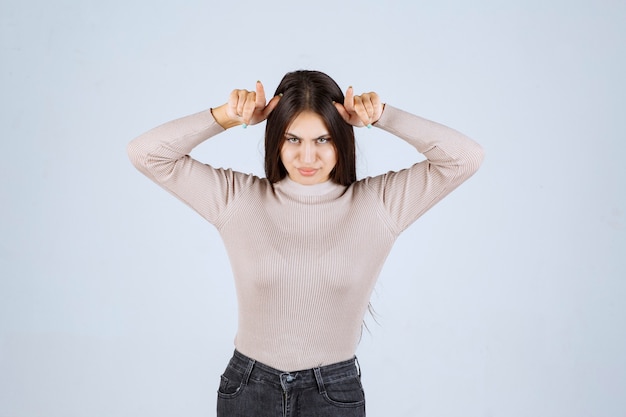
[221,117]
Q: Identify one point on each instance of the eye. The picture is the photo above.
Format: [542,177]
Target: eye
[323,140]
[292,140]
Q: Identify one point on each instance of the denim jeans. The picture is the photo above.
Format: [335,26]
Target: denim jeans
[251,389]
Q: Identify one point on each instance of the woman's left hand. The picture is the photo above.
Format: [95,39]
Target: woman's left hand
[362,110]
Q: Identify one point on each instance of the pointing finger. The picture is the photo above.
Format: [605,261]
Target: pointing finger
[348,102]
[260,95]
[270,106]
[343,112]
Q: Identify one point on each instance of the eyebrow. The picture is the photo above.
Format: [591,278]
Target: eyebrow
[291,135]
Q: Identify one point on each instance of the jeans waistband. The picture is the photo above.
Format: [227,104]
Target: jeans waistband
[258,371]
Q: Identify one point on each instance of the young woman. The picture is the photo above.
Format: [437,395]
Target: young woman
[307,242]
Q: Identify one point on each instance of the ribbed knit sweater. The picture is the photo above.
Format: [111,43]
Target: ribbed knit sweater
[305,258]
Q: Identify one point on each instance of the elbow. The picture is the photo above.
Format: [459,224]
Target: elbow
[149,160]
[136,154]
[471,160]
[477,157]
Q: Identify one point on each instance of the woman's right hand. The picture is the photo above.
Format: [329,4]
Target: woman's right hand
[245,108]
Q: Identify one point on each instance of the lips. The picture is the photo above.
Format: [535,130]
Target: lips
[307,172]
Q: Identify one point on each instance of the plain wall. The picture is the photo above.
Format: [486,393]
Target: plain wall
[117,300]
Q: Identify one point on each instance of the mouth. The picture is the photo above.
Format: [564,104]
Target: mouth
[307,172]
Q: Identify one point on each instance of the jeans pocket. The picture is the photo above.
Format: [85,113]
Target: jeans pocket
[345,393]
[231,383]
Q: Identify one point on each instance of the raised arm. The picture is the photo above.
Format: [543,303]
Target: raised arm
[451,157]
[162,153]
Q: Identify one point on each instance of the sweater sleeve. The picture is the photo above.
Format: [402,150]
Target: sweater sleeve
[451,158]
[162,154]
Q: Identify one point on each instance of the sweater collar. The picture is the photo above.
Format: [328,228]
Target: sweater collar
[288,186]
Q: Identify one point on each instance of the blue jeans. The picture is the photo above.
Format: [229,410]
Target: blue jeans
[251,389]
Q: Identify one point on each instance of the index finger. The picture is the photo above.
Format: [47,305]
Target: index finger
[348,102]
[270,106]
[260,95]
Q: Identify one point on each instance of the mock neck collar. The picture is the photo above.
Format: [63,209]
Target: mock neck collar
[291,187]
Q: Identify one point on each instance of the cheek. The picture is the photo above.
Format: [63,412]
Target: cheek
[285,155]
[331,156]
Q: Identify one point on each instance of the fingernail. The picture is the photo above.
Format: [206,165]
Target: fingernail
[369,126]
[245,126]
[280,94]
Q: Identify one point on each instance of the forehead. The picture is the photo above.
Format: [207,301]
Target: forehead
[307,123]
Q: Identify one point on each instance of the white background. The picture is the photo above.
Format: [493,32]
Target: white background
[507,299]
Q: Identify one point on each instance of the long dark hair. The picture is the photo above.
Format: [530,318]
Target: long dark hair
[309,91]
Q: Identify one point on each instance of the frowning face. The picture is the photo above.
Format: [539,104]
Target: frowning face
[308,152]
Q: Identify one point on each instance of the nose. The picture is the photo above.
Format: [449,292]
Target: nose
[307,153]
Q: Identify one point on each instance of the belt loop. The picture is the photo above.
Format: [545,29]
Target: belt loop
[246,375]
[358,366]
[320,382]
